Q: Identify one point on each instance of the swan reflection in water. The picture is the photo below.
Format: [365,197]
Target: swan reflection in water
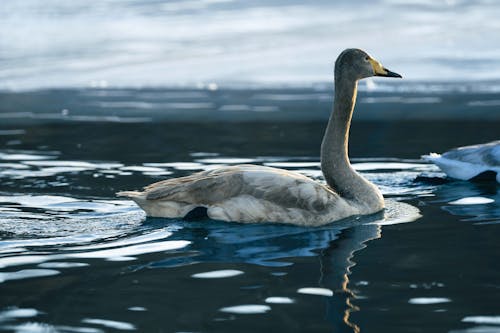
[279,247]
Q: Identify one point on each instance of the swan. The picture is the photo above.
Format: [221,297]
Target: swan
[252,193]
[468,162]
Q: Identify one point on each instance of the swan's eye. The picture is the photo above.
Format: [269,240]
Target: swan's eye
[367,58]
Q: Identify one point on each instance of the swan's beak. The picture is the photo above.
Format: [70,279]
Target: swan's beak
[380,70]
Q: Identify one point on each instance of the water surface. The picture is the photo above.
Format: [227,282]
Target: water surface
[74,258]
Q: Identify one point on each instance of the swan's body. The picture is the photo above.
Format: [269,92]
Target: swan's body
[246,193]
[468,162]
[250,193]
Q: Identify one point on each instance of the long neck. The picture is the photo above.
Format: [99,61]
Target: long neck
[334,148]
[335,164]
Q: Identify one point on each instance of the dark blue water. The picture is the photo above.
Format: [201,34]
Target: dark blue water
[74,258]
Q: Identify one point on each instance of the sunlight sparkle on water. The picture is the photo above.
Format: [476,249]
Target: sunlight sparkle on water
[119,325]
[26,274]
[246,309]
[217,274]
[125,252]
[315,291]
[489,320]
[137,308]
[62,264]
[428,300]
[472,201]
[279,300]
[18,313]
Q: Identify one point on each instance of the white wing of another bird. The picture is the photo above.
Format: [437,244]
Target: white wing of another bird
[469,161]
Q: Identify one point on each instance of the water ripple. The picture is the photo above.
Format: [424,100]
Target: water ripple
[49,216]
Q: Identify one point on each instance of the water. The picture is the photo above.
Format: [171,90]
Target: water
[74,258]
[101,97]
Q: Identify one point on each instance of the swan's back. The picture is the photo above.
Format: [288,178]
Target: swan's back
[245,193]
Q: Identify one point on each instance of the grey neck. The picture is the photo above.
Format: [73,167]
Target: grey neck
[337,169]
[334,148]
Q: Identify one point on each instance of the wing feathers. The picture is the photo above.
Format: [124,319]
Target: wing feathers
[280,187]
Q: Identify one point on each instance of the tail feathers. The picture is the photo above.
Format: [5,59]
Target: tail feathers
[129,194]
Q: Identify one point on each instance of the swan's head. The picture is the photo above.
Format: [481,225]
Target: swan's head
[358,64]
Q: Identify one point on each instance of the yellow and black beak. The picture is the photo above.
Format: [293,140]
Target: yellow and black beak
[380,70]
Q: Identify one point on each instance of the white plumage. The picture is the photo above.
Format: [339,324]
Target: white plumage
[468,162]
